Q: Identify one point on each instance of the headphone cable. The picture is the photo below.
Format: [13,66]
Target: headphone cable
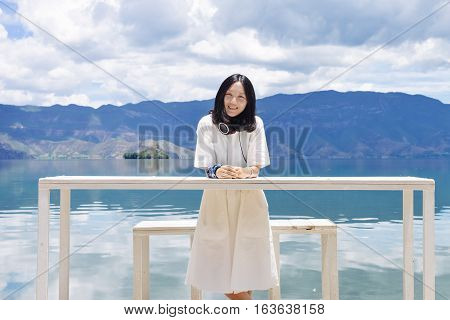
[245,159]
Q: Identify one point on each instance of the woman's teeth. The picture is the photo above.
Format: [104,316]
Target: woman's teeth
[232,108]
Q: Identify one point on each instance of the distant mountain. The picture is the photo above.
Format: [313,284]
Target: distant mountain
[335,124]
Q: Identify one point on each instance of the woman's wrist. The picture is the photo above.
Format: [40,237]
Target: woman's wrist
[250,172]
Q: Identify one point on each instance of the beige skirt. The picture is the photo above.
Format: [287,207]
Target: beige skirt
[232,249]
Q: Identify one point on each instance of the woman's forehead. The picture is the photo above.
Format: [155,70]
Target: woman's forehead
[236,87]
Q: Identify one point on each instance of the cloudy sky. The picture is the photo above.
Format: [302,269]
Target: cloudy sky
[182,50]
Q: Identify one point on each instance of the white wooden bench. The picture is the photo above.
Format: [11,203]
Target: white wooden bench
[324,227]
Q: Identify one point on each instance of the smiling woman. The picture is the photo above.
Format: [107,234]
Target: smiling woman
[232,250]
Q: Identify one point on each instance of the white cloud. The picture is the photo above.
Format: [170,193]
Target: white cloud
[201,12]
[80,99]
[182,50]
[15,97]
[333,22]
[151,22]
[239,44]
[3,33]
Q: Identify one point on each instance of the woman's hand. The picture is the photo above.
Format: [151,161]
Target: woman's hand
[226,172]
[241,173]
[231,172]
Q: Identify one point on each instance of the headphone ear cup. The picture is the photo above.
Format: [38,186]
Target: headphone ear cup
[224,129]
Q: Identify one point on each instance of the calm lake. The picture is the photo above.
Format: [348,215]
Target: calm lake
[369,234]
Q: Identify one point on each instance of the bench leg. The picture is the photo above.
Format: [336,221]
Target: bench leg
[196,294]
[330,280]
[275,292]
[140,266]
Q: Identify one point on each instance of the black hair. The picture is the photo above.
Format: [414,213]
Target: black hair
[246,119]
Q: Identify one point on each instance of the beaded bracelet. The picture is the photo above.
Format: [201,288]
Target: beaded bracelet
[211,171]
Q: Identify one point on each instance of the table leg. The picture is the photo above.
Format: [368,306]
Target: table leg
[428,245]
[43,235]
[408,244]
[64,240]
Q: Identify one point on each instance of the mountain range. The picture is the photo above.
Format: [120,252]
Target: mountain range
[318,125]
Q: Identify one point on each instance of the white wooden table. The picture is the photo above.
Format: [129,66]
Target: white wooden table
[405,184]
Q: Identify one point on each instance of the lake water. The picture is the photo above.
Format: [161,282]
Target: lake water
[369,234]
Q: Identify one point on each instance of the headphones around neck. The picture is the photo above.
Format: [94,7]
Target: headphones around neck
[225,130]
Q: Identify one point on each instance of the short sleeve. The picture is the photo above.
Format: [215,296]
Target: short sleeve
[258,152]
[204,150]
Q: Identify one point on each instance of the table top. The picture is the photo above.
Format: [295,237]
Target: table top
[271,183]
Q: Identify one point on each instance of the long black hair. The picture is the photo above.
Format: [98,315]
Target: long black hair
[246,119]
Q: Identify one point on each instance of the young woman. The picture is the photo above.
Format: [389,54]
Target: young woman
[232,250]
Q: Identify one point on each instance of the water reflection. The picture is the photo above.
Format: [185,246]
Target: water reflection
[370,233]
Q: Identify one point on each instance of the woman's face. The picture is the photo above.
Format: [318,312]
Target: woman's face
[235,99]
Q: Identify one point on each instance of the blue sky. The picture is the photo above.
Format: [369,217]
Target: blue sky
[182,50]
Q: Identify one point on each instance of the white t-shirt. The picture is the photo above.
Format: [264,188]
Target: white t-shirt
[214,147]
